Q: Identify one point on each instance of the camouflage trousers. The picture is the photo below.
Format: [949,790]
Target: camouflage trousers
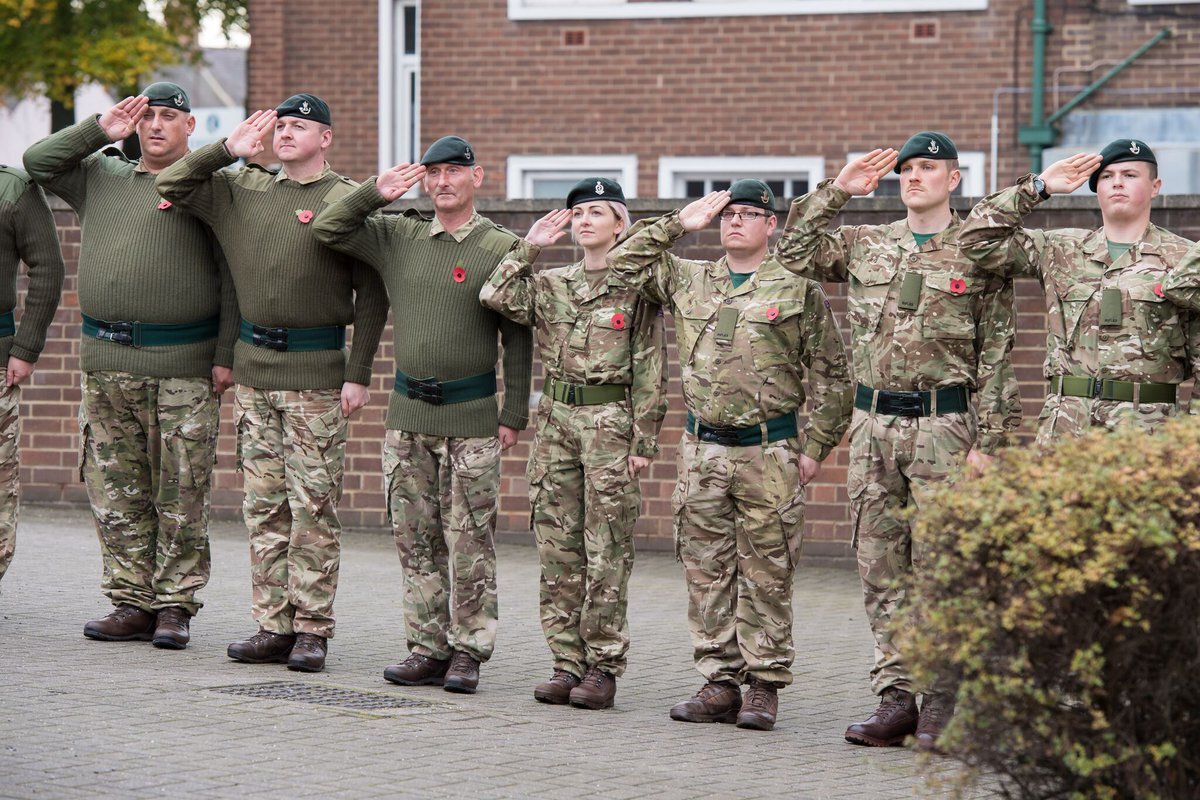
[739,522]
[291,451]
[149,445]
[442,506]
[584,506]
[894,463]
[10,472]
[1073,416]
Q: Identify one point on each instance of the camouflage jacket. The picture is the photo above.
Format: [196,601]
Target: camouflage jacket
[1152,339]
[956,329]
[780,330]
[588,335]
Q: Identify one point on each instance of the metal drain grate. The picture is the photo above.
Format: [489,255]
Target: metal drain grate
[316,694]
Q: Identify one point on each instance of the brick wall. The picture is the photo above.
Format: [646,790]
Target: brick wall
[50,436]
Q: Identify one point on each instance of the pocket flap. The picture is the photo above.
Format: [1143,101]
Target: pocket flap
[954,284]
[773,312]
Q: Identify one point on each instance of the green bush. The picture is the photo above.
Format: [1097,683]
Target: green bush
[1064,603]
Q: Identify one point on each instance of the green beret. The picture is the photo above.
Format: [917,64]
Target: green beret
[449,150]
[168,95]
[927,144]
[305,106]
[590,189]
[1122,150]
[749,192]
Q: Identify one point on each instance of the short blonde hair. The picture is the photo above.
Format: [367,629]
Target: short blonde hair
[619,211]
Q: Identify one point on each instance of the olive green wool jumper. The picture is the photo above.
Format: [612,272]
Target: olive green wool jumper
[441,329]
[27,233]
[284,276]
[139,260]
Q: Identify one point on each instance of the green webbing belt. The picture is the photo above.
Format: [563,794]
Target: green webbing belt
[771,430]
[149,334]
[439,393]
[578,395]
[947,400]
[8,324]
[1109,389]
[295,340]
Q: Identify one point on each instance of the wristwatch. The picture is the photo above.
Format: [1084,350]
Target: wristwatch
[1039,186]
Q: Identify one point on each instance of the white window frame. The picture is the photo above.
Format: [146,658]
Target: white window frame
[673,171]
[522,170]
[394,68]
[622,9]
[974,178]
[1160,2]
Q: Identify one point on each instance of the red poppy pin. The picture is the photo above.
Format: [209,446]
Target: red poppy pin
[618,321]
[957,286]
[459,274]
[163,205]
[304,215]
[1158,290]
[772,313]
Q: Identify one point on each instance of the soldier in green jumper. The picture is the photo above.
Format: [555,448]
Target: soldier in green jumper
[27,234]
[159,319]
[598,421]
[1117,346]
[936,390]
[748,334]
[445,429]
[297,385]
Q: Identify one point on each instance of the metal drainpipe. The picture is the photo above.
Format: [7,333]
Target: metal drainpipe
[1037,81]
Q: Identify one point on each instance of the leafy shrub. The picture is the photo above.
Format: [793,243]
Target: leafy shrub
[1064,603]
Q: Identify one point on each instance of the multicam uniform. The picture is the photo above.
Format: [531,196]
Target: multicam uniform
[1116,347]
[929,331]
[605,398]
[739,504]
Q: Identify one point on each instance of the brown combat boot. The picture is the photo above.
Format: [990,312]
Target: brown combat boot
[759,707]
[263,647]
[717,701]
[598,689]
[556,689]
[125,623]
[171,631]
[417,670]
[462,676]
[308,653]
[936,711]
[894,719]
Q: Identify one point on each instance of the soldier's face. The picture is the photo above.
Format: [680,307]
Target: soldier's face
[452,187]
[927,183]
[1125,189]
[164,133]
[299,140]
[746,236]
[595,226]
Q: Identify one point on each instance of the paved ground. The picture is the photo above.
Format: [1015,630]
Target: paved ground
[85,719]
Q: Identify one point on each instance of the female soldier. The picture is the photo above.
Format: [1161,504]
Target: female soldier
[597,427]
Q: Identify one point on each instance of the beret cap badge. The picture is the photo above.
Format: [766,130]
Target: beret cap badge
[599,187]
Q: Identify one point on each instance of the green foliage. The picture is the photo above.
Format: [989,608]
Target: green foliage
[1064,601]
[55,46]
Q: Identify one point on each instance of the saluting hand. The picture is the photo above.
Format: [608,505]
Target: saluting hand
[247,138]
[394,182]
[120,121]
[862,175]
[1064,177]
[550,228]
[696,215]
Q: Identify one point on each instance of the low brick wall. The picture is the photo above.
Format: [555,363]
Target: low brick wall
[50,436]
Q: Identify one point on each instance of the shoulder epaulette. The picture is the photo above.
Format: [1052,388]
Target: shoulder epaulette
[112,151]
[19,174]
[413,213]
[262,168]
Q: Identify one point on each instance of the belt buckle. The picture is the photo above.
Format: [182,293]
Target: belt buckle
[722,436]
[271,338]
[1097,388]
[117,332]
[570,399]
[908,404]
[426,390]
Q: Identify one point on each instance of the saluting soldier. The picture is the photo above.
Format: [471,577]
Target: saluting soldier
[748,334]
[297,385]
[159,320]
[935,389]
[27,234]
[598,421]
[445,431]
[1117,347]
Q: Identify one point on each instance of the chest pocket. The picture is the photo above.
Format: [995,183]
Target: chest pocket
[1064,320]
[947,305]
[869,292]
[773,331]
[692,316]
[608,337]
[1156,318]
[555,324]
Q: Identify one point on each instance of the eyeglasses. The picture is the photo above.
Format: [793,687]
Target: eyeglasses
[744,216]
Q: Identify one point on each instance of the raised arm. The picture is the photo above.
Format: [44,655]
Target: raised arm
[510,289]
[350,226]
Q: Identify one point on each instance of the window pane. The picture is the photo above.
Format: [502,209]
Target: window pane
[776,187]
[694,189]
[799,187]
[718,185]
[553,188]
[410,30]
